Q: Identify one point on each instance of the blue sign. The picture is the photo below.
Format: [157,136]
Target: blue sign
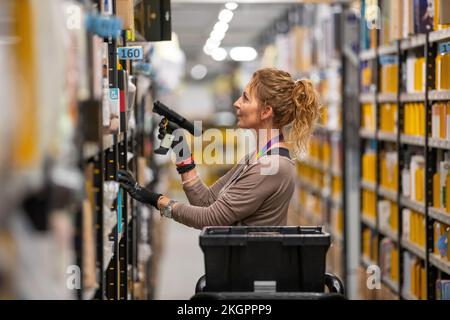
[104,26]
[444,48]
[130,53]
[113,93]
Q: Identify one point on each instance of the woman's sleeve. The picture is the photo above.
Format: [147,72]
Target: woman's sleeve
[201,195]
[238,202]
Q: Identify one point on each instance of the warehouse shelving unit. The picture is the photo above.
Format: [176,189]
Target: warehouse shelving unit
[117,263]
[426,45]
[330,204]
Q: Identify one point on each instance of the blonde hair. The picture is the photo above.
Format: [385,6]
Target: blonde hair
[292,102]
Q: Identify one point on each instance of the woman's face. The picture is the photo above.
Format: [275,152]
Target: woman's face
[247,110]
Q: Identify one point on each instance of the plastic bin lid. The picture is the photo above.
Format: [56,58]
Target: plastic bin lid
[241,235]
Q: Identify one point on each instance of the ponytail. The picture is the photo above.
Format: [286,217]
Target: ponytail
[307,111]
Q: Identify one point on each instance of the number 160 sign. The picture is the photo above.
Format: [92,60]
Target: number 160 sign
[130,53]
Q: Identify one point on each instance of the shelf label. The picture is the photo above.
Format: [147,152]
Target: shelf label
[130,53]
[444,48]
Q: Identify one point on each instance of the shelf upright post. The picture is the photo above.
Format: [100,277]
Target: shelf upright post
[430,165]
[400,163]
[112,155]
[123,244]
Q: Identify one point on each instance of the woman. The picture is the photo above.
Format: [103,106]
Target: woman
[245,195]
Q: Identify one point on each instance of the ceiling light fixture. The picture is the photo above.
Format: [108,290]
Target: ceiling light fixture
[217,35]
[221,26]
[212,43]
[225,15]
[207,50]
[231,5]
[219,54]
[243,54]
[198,72]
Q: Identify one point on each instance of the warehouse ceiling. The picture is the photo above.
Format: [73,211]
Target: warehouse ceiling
[193,20]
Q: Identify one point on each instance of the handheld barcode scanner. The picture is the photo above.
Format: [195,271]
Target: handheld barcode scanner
[170,117]
[166,142]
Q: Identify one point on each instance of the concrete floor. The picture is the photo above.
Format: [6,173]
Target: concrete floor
[181,262]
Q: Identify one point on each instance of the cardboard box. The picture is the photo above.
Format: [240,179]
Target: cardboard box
[125,11]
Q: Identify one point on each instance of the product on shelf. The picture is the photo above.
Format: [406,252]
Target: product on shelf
[389,170]
[440,120]
[369,165]
[367,82]
[441,237]
[369,205]
[415,74]
[337,221]
[369,244]
[388,117]
[441,184]
[368,117]
[414,119]
[336,187]
[413,179]
[371,23]
[389,259]
[414,276]
[388,215]
[443,67]
[414,227]
[441,14]
[443,289]
[389,74]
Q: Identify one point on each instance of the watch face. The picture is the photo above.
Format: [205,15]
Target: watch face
[167,211]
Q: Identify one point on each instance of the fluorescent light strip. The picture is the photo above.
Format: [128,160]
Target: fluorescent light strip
[216,36]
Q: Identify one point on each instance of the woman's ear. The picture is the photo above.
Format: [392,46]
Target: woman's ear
[267,112]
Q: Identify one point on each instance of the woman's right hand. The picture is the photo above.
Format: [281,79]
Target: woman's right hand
[179,145]
[129,183]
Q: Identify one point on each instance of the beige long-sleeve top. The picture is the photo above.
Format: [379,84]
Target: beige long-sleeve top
[253,198]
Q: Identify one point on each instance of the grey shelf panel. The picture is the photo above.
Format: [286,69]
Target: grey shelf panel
[387,136]
[368,54]
[387,98]
[389,233]
[387,193]
[412,97]
[408,296]
[440,215]
[440,263]
[413,42]
[391,284]
[367,262]
[439,95]
[413,205]
[387,49]
[439,143]
[439,35]
[368,185]
[367,134]
[336,201]
[370,222]
[324,194]
[367,98]
[412,140]
[414,248]
[315,164]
